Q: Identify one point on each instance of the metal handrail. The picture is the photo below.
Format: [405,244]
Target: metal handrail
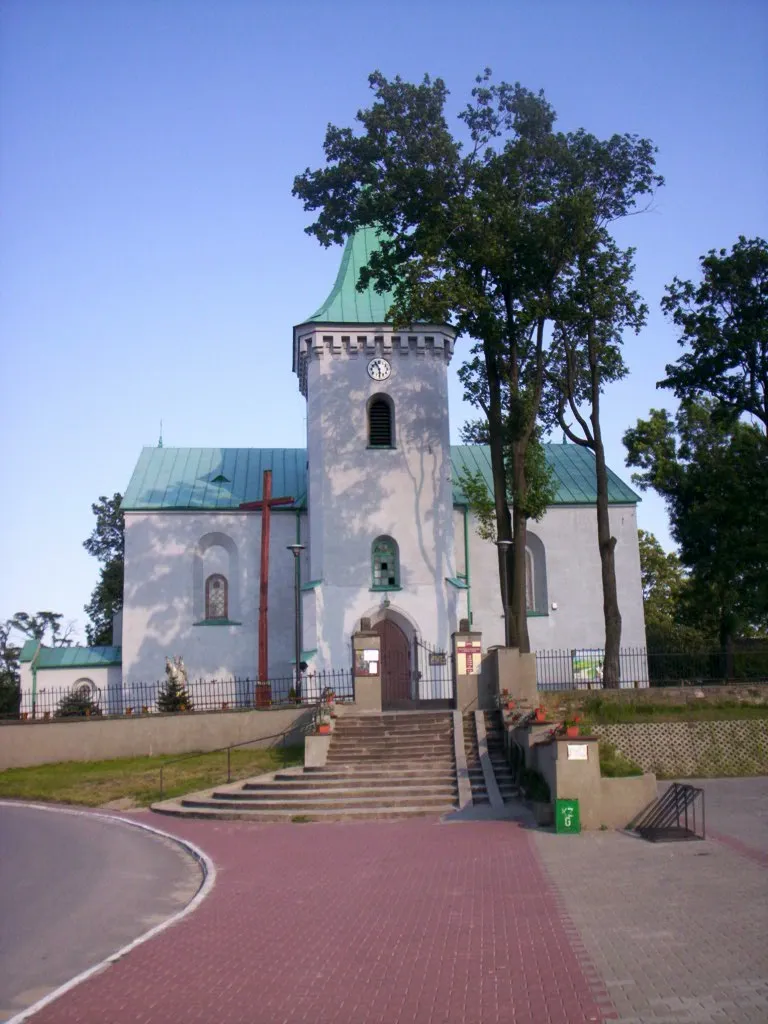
[219,750]
[243,743]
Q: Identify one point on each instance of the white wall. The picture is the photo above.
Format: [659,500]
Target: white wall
[53,683]
[168,556]
[357,494]
[569,538]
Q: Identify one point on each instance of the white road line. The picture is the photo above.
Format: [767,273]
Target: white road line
[209,879]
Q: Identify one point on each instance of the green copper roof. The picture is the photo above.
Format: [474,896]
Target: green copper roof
[345,304]
[223,478]
[71,657]
[211,478]
[573,467]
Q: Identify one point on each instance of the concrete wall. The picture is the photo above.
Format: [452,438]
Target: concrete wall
[569,571]
[357,494]
[24,744]
[168,556]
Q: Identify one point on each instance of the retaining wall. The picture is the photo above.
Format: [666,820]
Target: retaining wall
[28,743]
[693,749]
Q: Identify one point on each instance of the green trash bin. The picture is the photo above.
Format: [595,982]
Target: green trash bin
[567,816]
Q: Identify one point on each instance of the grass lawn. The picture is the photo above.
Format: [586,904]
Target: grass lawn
[137,779]
[604,712]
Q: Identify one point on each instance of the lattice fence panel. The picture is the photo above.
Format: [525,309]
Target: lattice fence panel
[693,749]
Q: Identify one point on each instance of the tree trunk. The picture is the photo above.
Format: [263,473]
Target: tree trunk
[517,615]
[607,545]
[499,473]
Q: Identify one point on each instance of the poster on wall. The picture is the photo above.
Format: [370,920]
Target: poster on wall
[587,668]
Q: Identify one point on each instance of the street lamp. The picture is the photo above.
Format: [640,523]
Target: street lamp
[504,546]
[297,549]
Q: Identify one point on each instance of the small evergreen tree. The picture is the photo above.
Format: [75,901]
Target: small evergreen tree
[80,703]
[173,695]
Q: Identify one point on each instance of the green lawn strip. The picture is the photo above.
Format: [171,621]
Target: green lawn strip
[94,783]
[600,712]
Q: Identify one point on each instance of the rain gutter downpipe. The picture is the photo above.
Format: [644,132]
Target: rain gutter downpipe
[465,510]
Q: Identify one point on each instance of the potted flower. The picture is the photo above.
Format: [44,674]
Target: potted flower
[505,701]
[129,711]
[572,727]
[540,715]
[224,705]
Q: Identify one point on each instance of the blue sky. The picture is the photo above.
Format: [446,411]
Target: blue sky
[153,260]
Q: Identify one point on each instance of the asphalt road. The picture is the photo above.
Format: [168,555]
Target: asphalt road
[75,889]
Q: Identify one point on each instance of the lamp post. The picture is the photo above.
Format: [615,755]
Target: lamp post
[504,546]
[297,549]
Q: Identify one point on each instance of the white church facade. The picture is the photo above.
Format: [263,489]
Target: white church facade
[375,500]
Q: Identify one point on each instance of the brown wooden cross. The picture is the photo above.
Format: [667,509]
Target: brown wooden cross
[264,506]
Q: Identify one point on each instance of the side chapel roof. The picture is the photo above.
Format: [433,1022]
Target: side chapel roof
[208,479]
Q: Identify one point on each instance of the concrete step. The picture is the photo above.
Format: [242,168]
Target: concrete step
[350,783]
[267,817]
[355,757]
[308,805]
[337,792]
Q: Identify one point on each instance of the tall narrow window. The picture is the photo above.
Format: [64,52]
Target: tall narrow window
[380,433]
[216,597]
[386,570]
[530,595]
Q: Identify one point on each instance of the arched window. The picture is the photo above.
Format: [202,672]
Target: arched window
[386,568]
[381,432]
[216,597]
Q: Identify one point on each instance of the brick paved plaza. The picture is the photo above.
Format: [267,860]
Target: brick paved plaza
[474,922]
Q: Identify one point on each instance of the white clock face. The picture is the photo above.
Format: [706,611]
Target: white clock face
[379,369]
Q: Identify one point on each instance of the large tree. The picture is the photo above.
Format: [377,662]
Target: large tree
[597,305]
[713,475]
[476,230]
[107,544]
[723,322]
[43,626]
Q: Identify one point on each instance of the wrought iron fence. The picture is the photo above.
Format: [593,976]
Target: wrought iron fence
[136,699]
[582,669]
[435,672]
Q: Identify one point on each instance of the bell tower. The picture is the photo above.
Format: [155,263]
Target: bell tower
[379,466]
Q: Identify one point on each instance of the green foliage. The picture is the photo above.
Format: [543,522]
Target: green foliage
[43,626]
[713,475]
[477,228]
[723,322]
[663,579]
[9,672]
[598,711]
[78,704]
[173,696]
[107,544]
[614,765]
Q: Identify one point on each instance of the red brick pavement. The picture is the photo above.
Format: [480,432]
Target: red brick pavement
[360,923]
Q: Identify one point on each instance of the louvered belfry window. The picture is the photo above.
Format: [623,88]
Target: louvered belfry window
[380,423]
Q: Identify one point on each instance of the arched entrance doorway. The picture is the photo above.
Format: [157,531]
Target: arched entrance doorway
[395,665]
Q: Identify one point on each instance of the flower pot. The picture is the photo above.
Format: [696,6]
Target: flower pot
[510,705]
[541,715]
[572,731]
[323,730]
[46,715]
[224,706]
[24,715]
[145,710]
[129,711]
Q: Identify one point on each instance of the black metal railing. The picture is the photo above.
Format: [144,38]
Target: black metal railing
[677,815]
[435,672]
[141,698]
[582,669]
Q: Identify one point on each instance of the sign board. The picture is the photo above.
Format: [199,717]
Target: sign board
[366,663]
[437,658]
[577,752]
[567,816]
[587,667]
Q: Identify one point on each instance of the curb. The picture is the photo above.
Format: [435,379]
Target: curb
[207,867]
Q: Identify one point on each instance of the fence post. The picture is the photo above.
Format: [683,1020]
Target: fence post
[229,765]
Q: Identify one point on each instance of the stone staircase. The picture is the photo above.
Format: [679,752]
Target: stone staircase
[494,735]
[390,765]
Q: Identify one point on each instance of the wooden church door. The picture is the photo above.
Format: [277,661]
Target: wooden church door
[395,664]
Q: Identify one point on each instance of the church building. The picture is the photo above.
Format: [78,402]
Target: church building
[374,501]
